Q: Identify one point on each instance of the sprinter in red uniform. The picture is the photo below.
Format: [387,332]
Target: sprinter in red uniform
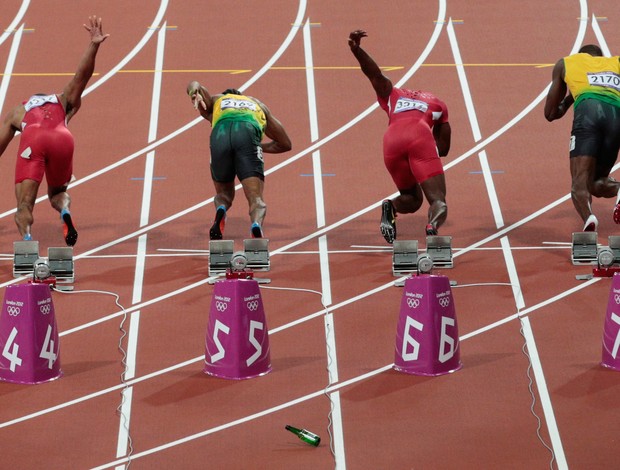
[418,134]
[46,144]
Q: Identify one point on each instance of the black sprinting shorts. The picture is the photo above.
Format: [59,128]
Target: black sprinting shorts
[236,151]
[596,132]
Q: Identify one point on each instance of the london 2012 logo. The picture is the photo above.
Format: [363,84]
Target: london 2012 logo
[252,305]
[221,306]
[12,310]
[444,301]
[413,303]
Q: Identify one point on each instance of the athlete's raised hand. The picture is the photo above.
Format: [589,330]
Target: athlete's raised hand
[95,30]
[355,37]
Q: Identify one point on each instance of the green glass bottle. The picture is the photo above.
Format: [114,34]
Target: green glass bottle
[305,435]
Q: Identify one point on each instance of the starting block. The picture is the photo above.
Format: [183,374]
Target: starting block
[220,254]
[25,254]
[439,249]
[257,252]
[584,248]
[405,257]
[614,246]
[60,260]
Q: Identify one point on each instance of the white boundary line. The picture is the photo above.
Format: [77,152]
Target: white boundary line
[11,28]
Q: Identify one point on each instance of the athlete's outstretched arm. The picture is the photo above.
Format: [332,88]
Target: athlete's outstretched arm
[381,84]
[72,93]
[558,101]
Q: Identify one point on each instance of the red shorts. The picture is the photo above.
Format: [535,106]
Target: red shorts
[46,151]
[410,154]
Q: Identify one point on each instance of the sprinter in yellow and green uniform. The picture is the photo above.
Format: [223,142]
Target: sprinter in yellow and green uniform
[592,83]
[238,123]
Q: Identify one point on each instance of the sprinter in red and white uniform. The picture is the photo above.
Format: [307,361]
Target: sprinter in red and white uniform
[418,134]
[46,144]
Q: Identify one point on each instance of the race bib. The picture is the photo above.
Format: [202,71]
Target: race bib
[407,104]
[39,100]
[605,79]
[234,103]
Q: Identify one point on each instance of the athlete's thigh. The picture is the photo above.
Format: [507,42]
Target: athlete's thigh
[59,160]
[423,157]
[396,159]
[610,141]
[246,139]
[222,156]
[586,133]
[30,162]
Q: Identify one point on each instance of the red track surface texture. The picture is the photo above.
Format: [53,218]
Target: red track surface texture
[510,217]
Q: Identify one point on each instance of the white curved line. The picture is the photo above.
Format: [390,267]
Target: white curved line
[296,25]
[599,37]
[10,63]
[149,32]
[11,28]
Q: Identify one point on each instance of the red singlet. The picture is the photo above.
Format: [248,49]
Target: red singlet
[409,149]
[46,145]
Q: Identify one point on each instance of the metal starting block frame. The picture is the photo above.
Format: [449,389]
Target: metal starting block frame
[439,248]
[60,260]
[220,254]
[603,268]
[404,257]
[25,254]
[584,248]
[614,246]
[256,251]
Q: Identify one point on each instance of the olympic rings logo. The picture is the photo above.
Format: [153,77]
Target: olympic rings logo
[253,305]
[444,301]
[617,298]
[221,306]
[413,303]
[45,309]
[13,311]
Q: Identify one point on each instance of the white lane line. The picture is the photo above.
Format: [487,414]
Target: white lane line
[124,439]
[335,427]
[543,393]
[534,358]
[512,273]
[475,127]
[10,63]
[18,17]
